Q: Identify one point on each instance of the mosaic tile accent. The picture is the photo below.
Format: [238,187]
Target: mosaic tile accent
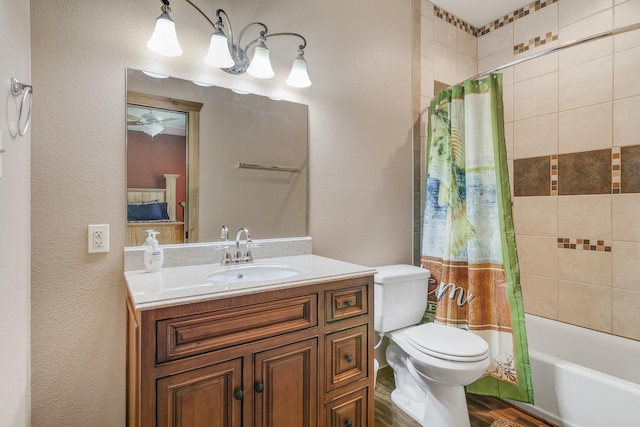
[454,20]
[615,170]
[588,172]
[584,244]
[553,163]
[630,169]
[514,16]
[534,42]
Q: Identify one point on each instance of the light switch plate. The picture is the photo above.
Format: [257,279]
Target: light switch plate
[98,238]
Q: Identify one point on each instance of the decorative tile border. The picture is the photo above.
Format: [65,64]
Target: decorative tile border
[584,244]
[514,16]
[454,20]
[534,42]
[615,170]
[554,175]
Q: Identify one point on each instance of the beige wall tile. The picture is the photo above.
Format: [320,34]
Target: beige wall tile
[626,71]
[467,43]
[495,41]
[626,13]
[626,321]
[585,217]
[585,84]
[595,24]
[540,295]
[426,77]
[626,126]
[508,137]
[426,37]
[445,66]
[625,258]
[536,216]
[585,305]
[497,59]
[426,9]
[444,33]
[626,217]
[591,267]
[466,67]
[574,10]
[585,129]
[535,67]
[537,136]
[507,100]
[536,24]
[536,97]
[537,255]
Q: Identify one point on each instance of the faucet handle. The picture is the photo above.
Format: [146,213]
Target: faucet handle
[224,233]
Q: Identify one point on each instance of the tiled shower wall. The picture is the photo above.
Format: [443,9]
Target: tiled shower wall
[572,124]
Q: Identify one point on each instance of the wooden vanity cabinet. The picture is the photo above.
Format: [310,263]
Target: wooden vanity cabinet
[294,357]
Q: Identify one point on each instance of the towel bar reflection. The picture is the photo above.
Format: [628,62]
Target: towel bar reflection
[25,90]
[291,169]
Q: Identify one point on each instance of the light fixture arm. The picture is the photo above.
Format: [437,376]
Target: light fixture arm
[202,13]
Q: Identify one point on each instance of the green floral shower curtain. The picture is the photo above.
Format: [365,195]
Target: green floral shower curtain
[468,238]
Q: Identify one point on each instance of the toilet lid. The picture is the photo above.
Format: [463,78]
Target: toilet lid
[447,342]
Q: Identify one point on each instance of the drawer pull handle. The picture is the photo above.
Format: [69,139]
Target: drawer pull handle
[239,394]
[349,303]
[349,423]
[259,388]
[349,358]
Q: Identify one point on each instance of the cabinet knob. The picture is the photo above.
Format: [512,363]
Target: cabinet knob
[259,388]
[349,303]
[239,394]
[349,358]
[349,423]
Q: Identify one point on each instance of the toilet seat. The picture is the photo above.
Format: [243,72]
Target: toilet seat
[447,342]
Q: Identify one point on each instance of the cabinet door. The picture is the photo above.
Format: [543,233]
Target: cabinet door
[286,386]
[349,410]
[206,397]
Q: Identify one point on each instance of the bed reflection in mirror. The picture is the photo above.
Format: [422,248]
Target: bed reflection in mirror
[200,157]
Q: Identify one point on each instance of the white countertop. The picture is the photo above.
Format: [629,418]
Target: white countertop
[180,285]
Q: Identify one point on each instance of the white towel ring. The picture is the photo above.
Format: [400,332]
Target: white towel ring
[18,89]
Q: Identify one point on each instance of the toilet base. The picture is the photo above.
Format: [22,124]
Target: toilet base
[449,409]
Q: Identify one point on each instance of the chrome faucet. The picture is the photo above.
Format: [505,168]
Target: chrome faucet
[236,257]
[247,254]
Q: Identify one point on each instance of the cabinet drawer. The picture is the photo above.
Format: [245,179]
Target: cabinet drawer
[344,303]
[346,356]
[190,335]
[349,410]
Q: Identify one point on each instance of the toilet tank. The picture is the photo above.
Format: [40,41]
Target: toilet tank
[400,296]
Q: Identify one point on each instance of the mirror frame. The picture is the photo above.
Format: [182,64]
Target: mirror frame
[192,109]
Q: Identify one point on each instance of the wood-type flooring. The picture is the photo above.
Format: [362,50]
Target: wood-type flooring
[483,410]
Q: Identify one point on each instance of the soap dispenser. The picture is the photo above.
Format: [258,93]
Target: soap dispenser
[153,255]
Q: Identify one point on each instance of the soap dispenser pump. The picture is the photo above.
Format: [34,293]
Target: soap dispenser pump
[153,255]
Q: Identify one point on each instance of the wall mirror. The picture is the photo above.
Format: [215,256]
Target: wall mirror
[199,157]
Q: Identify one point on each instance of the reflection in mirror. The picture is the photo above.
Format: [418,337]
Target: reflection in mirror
[202,157]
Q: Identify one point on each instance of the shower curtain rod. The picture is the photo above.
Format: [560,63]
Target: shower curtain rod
[572,43]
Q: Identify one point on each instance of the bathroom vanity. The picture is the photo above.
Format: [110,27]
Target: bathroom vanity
[209,345]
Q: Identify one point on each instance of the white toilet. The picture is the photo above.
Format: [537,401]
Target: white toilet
[431,363]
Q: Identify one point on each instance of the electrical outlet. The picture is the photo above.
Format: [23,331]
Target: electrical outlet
[98,238]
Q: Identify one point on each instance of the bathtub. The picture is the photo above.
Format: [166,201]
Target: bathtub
[582,378]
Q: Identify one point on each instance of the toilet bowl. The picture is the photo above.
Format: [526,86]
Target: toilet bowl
[431,363]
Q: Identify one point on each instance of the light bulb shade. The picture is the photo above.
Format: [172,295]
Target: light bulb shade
[152,129]
[298,76]
[260,64]
[218,54]
[164,40]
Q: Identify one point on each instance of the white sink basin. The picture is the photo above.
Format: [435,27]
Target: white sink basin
[246,273]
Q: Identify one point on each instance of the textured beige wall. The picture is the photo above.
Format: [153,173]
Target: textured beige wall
[359,56]
[15,224]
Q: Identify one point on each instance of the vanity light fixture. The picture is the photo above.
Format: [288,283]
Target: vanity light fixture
[227,53]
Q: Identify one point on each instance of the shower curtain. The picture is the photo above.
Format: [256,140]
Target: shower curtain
[468,238]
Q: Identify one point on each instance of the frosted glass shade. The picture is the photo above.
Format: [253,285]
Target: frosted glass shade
[152,129]
[298,76]
[164,40]
[261,64]
[218,54]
